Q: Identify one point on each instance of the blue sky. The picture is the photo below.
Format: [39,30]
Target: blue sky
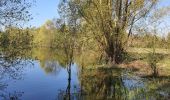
[164,2]
[47,9]
[43,10]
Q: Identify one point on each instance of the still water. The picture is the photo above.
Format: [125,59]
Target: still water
[43,74]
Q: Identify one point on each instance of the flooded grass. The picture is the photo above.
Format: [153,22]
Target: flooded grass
[46,74]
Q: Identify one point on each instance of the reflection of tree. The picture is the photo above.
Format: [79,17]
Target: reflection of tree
[50,60]
[111,83]
[69,57]
[68,54]
[155,89]
[12,62]
[11,96]
[52,67]
[68,93]
[103,84]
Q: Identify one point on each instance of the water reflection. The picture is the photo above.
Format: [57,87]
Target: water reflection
[103,84]
[57,75]
[12,62]
[52,67]
[72,90]
[68,94]
[118,84]
[11,96]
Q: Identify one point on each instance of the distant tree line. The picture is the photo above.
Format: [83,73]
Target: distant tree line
[145,41]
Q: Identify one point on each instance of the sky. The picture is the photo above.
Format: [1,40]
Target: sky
[44,10]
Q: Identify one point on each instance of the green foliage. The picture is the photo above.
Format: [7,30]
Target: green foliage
[145,41]
[108,32]
[16,38]
[14,11]
[45,35]
[152,59]
[4,40]
[168,40]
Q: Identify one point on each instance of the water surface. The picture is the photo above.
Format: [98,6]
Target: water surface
[44,74]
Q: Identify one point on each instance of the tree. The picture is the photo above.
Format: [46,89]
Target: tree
[155,20]
[111,22]
[46,34]
[68,28]
[168,40]
[14,11]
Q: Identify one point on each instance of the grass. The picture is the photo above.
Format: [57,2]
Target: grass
[164,65]
[148,50]
[138,60]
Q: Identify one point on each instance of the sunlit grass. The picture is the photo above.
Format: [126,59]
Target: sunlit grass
[148,50]
[163,65]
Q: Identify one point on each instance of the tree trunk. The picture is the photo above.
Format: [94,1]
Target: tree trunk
[115,51]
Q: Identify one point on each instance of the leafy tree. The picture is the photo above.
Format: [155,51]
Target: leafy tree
[14,11]
[109,21]
[46,35]
[168,40]
[16,38]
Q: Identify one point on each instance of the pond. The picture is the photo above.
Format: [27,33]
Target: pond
[43,74]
